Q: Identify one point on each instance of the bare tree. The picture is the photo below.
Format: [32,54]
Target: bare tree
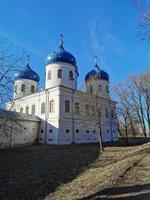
[9,64]
[145,87]
[91,112]
[10,125]
[125,110]
[123,126]
[144,19]
[133,96]
[136,94]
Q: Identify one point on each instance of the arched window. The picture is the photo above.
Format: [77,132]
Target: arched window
[33,110]
[99,88]
[71,75]
[32,88]
[27,110]
[51,106]
[15,88]
[107,88]
[23,88]
[60,73]
[49,77]
[21,109]
[42,108]
[87,108]
[91,89]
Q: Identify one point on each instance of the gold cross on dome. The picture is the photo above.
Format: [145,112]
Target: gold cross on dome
[95,60]
[61,40]
[28,59]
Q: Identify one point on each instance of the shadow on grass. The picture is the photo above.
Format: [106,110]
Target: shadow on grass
[32,172]
[136,192]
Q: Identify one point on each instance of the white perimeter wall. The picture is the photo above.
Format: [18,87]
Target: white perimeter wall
[19,132]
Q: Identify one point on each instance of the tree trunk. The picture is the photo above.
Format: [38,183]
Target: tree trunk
[100,138]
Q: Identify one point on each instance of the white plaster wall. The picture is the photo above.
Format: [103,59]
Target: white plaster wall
[29,100]
[66,118]
[51,118]
[49,132]
[73,121]
[28,83]
[65,81]
[65,137]
[22,132]
[83,136]
[59,121]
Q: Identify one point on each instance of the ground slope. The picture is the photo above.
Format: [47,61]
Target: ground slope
[41,172]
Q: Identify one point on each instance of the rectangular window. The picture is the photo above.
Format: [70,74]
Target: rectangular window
[93,110]
[77,130]
[42,108]
[112,113]
[77,108]
[91,89]
[51,106]
[21,109]
[106,113]
[50,139]
[27,110]
[67,106]
[33,110]
[87,108]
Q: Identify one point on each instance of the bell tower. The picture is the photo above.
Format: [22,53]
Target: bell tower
[97,81]
[61,68]
[26,81]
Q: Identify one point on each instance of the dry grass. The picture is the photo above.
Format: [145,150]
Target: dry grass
[63,172]
[99,177]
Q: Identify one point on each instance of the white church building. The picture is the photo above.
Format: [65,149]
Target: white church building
[67,114]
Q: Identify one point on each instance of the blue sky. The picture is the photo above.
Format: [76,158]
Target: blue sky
[106,28]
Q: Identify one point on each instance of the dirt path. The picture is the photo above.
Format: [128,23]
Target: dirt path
[134,185]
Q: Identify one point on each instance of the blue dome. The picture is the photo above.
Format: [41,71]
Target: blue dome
[61,56]
[27,73]
[97,73]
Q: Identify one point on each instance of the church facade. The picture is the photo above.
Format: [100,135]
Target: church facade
[67,114]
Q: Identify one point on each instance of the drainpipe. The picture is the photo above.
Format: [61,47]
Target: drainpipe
[59,116]
[111,123]
[73,134]
[46,113]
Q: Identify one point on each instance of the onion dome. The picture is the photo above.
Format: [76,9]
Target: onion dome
[61,55]
[27,73]
[97,73]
